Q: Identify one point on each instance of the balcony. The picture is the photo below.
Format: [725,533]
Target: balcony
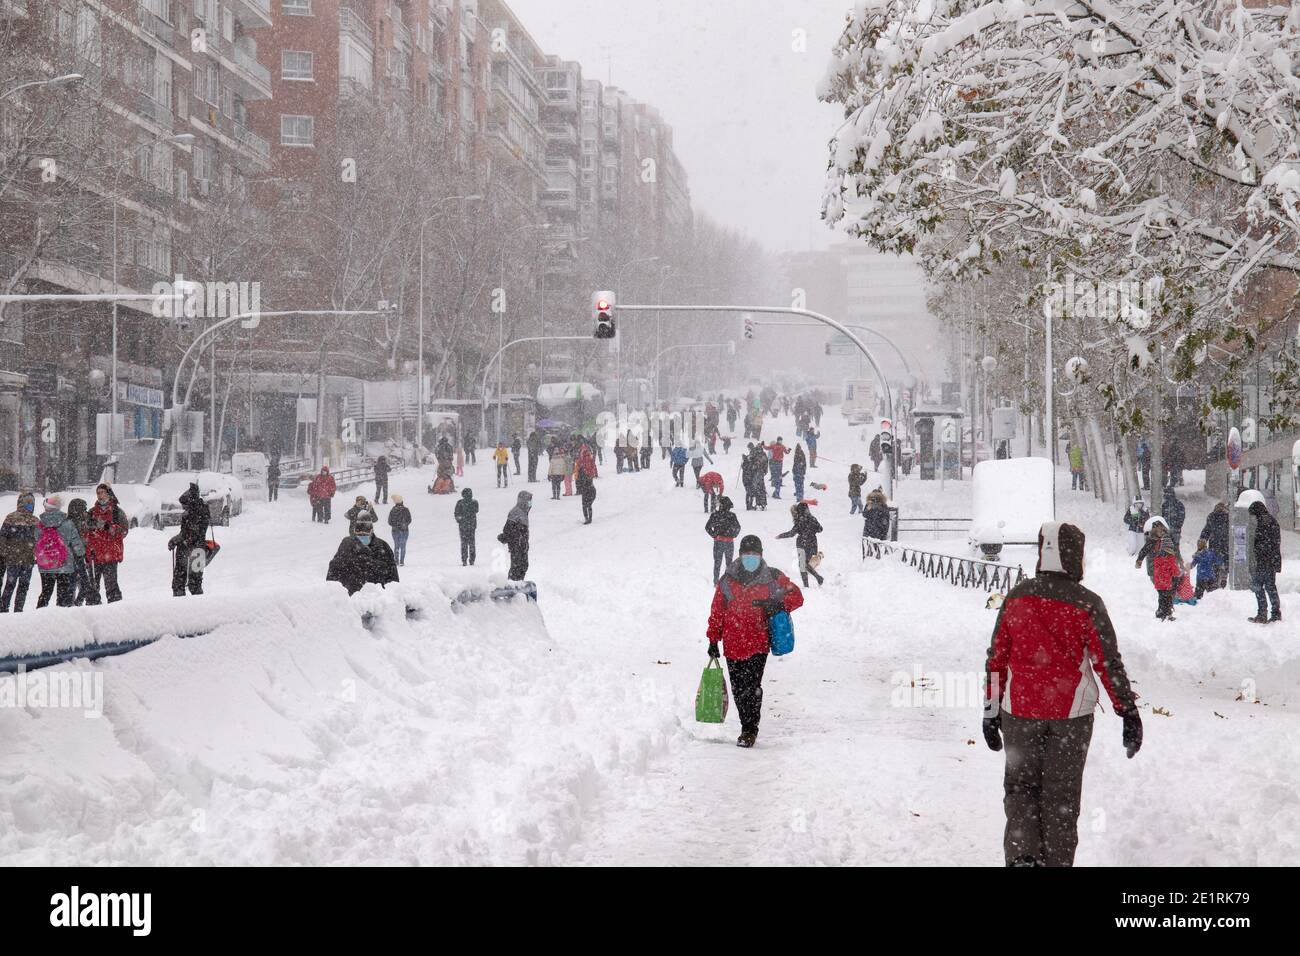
[246,59]
[155,25]
[610,133]
[566,99]
[560,199]
[253,13]
[562,166]
[352,25]
[560,133]
[146,106]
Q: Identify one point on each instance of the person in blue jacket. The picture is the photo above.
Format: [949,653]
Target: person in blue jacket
[678,458]
[1209,567]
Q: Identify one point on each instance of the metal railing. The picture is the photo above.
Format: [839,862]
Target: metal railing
[934,525]
[957,571]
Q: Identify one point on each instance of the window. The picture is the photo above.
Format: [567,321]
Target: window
[182,185]
[296,130]
[355,63]
[296,8]
[297,65]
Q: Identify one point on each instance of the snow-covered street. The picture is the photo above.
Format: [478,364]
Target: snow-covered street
[568,737]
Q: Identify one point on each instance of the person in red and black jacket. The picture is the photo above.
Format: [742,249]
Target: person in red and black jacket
[748,594]
[1051,634]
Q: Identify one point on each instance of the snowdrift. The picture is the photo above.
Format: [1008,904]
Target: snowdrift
[291,734]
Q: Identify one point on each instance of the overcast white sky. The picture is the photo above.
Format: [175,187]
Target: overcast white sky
[741,101]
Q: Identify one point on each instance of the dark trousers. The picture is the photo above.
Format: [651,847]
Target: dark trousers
[1164,603]
[711,500]
[381,489]
[586,508]
[679,475]
[107,573]
[181,575]
[325,509]
[518,564]
[515,454]
[556,481]
[1146,475]
[273,490]
[503,476]
[697,466]
[532,467]
[724,552]
[1264,584]
[17,579]
[747,690]
[52,583]
[469,456]
[855,504]
[1043,783]
[83,583]
[467,550]
[645,457]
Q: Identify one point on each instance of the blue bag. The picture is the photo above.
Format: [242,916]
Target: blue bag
[780,633]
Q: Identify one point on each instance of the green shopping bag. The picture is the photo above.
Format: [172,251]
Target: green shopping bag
[712,699]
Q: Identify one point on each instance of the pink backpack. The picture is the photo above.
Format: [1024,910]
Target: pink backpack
[51,551]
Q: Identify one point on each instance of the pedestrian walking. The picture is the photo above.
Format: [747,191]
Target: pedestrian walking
[516,446]
[502,458]
[320,492]
[698,456]
[1265,564]
[557,469]
[712,485]
[399,521]
[747,596]
[798,469]
[723,527]
[466,514]
[586,482]
[381,479]
[534,453]
[804,531]
[1051,634]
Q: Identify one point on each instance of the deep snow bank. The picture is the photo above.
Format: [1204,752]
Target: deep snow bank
[291,734]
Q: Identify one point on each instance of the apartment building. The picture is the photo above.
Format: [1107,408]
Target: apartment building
[156,139]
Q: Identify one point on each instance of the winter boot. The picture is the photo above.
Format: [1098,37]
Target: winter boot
[747,738]
[1277,616]
[1257,619]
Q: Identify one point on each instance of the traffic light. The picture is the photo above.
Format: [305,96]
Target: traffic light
[747,327]
[602,311]
[886,437]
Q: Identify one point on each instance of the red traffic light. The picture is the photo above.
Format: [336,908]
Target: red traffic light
[602,305]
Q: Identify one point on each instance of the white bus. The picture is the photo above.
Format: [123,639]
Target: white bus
[859,400]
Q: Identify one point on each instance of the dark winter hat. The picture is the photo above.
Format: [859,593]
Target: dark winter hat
[363,527]
[750,544]
[1060,550]
[724,503]
[466,493]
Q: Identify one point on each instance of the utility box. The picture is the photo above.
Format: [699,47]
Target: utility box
[1241,529]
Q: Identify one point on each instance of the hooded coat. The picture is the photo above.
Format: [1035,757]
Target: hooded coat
[515,532]
[1215,531]
[805,530]
[1051,635]
[53,518]
[467,512]
[18,535]
[723,524]
[194,518]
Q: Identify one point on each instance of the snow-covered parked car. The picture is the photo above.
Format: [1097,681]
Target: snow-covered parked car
[223,493]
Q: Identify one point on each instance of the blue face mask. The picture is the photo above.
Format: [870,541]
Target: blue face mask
[750,562]
[29,507]
[364,539]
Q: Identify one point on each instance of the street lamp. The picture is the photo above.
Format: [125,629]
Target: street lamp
[178,139]
[68,79]
[501,316]
[419,375]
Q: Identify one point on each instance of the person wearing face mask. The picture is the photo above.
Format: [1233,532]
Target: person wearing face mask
[745,598]
[362,558]
[17,541]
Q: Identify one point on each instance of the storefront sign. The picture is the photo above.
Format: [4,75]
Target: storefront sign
[139,395]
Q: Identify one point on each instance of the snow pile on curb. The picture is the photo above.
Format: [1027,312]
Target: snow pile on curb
[291,734]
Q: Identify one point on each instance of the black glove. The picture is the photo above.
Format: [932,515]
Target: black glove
[993,732]
[1132,731]
[501,538]
[771,605]
[713,650]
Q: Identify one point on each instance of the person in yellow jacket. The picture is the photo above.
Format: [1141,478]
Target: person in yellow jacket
[502,457]
[1075,456]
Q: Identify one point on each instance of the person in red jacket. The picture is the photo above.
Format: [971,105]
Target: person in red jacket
[107,526]
[1051,635]
[1166,568]
[746,596]
[711,483]
[321,492]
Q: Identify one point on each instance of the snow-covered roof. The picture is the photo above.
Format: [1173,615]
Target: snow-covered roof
[555,393]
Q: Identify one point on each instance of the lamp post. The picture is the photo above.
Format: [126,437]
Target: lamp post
[618,352]
[178,139]
[419,374]
[501,316]
[68,79]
